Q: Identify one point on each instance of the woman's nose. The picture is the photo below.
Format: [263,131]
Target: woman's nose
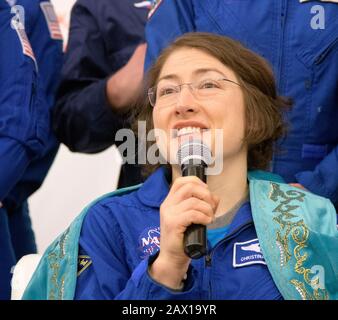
[186,101]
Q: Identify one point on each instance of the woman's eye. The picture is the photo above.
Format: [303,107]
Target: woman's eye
[166,91]
[209,84]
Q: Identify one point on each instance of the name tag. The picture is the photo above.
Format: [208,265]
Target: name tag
[247,253]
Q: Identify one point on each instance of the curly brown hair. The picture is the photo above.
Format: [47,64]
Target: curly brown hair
[263,107]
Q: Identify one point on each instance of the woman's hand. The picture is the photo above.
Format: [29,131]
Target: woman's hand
[188,202]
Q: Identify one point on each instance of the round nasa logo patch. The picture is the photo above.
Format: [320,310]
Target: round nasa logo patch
[149,241]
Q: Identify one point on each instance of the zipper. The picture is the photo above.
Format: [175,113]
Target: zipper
[208,260]
[282,16]
[208,257]
[281,40]
[32,97]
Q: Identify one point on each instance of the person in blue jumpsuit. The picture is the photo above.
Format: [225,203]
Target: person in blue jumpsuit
[300,40]
[103,68]
[30,59]
[264,236]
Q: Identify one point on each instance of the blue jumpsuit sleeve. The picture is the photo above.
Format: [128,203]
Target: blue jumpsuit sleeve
[83,118]
[48,56]
[323,180]
[18,140]
[109,275]
[14,160]
[171,19]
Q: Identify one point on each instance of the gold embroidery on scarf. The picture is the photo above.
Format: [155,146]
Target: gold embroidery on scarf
[301,289]
[62,291]
[63,239]
[291,225]
[56,291]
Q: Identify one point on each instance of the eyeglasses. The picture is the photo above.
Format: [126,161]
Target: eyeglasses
[166,95]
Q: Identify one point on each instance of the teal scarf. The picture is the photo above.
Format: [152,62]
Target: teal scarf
[296,230]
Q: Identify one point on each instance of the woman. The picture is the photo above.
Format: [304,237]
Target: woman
[264,237]
[304,61]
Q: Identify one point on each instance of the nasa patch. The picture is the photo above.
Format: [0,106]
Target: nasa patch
[26,46]
[149,241]
[247,253]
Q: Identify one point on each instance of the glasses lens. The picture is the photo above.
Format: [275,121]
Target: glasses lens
[163,95]
[167,94]
[152,96]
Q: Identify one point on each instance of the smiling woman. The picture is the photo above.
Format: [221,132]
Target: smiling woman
[240,83]
[263,235]
[213,104]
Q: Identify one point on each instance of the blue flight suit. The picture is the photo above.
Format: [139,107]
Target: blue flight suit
[300,40]
[103,36]
[30,61]
[120,236]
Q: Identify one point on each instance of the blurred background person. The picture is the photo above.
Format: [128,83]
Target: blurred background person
[30,59]
[299,39]
[102,70]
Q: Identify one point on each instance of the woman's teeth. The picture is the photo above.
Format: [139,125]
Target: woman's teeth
[188,130]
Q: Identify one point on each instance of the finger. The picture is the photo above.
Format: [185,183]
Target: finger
[197,205]
[194,217]
[181,181]
[191,190]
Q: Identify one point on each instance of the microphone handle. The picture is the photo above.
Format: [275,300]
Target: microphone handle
[195,236]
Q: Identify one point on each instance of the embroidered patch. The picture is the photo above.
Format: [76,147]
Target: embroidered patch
[247,253]
[149,241]
[155,5]
[143,4]
[52,20]
[26,45]
[83,262]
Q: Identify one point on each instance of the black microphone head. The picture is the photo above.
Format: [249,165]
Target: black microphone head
[194,151]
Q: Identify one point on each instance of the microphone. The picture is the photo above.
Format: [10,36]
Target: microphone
[194,157]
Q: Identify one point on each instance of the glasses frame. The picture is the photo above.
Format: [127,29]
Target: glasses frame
[152,91]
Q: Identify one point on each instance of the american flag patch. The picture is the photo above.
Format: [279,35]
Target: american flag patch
[156,4]
[26,46]
[52,20]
